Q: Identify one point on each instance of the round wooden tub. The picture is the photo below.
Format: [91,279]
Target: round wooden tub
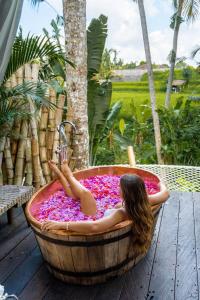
[89,258]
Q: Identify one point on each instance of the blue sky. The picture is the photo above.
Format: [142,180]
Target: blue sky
[124,26]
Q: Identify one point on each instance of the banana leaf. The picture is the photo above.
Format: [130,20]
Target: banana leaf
[99,93]
[96,38]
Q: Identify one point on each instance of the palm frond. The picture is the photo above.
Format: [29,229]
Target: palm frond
[175,3]
[28,89]
[36,2]
[191,9]
[31,48]
[195,51]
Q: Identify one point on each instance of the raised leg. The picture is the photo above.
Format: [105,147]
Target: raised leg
[88,203]
[62,179]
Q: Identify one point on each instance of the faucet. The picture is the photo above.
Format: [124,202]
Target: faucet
[62,148]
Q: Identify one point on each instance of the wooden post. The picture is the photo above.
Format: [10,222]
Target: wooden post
[131,156]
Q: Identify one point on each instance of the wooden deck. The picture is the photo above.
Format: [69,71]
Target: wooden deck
[171,270]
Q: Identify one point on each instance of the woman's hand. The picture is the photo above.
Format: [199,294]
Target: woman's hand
[52,225]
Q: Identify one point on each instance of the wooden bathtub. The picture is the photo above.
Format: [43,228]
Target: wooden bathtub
[87,258]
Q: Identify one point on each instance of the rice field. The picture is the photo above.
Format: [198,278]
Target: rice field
[135,94]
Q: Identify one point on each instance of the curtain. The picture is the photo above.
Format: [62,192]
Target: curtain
[10,12]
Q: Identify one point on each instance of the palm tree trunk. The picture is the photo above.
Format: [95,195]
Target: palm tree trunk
[74,12]
[173,55]
[156,122]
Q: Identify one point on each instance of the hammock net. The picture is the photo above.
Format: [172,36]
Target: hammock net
[177,178]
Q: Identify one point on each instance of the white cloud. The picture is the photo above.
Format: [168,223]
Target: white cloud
[125,33]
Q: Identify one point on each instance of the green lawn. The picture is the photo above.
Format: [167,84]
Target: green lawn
[133,94]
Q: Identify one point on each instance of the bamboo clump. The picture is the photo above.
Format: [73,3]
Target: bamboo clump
[37,170]
[25,153]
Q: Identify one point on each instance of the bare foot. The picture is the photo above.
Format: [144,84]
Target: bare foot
[65,168]
[54,167]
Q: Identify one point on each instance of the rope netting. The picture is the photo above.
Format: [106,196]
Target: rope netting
[177,178]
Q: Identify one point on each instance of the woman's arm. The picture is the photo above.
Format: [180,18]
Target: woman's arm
[87,226]
[159,197]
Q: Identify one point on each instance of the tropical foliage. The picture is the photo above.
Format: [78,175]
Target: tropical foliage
[177,132]
[14,103]
[13,99]
[39,48]
[100,116]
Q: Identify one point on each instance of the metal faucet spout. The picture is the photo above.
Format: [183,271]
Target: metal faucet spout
[63,144]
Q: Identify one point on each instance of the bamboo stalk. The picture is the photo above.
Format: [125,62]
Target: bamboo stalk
[15,139]
[42,143]
[51,125]
[17,123]
[29,169]
[58,120]
[37,170]
[19,164]
[2,146]
[8,162]
[14,80]
[7,173]
[19,146]
[20,75]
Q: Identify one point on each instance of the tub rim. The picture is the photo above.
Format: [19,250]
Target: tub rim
[118,226]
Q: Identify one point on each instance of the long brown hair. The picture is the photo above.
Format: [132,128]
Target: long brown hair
[139,211]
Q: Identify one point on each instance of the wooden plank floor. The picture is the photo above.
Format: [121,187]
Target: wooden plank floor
[171,269]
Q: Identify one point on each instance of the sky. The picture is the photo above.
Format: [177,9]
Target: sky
[124,28]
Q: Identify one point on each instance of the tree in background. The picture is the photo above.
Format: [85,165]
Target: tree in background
[74,12]
[151,80]
[185,10]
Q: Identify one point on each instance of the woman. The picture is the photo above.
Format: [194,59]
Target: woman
[135,206]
